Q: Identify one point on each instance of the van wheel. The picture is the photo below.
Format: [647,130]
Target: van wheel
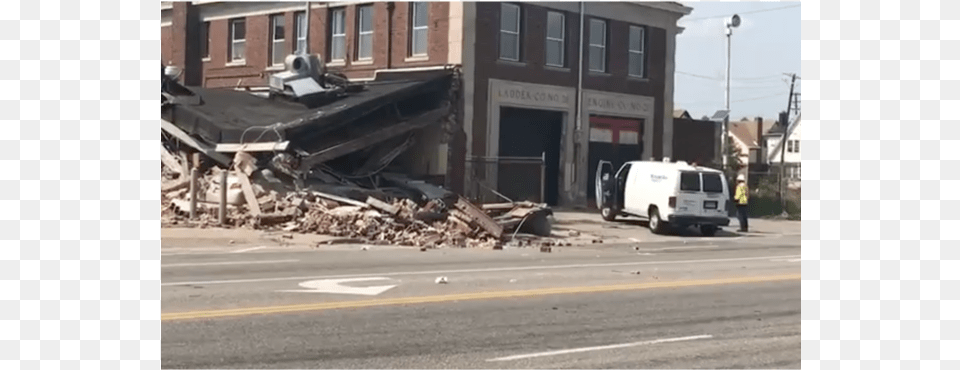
[608,214]
[656,223]
[708,230]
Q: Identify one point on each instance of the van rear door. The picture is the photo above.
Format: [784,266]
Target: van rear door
[715,189]
[690,198]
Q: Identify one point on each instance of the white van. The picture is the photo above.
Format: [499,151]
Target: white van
[668,194]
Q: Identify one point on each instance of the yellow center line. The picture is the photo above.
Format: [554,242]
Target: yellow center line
[465,297]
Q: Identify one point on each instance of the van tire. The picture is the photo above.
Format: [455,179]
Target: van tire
[656,223]
[608,214]
[708,230]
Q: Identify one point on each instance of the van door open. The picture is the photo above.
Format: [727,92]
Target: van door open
[604,192]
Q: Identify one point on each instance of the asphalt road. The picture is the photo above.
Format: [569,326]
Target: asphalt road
[707,304]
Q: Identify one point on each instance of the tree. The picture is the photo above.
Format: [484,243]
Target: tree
[734,162]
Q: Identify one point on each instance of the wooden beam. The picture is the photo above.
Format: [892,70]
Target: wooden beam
[383,206]
[248,194]
[253,147]
[369,140]
[341,199]
[185,138]
[479,217]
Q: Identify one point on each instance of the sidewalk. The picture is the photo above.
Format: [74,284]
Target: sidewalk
[589,224]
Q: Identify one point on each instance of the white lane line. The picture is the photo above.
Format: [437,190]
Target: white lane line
[248,249]
[599,348]
[225,263]
[787,260]
[495,269]
[677,248]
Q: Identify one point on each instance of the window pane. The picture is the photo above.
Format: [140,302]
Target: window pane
[366,15]
[712,183]
[508,46]
[419,42]
[555,53]
[636,64]
[597,32]
[366,46]
[420,14]
[278,29]
[338,48]
[596,58]
[279,52]
[238,50]
[509,14]
[338,22]
[301,46]
[690,181]
[554,25]
[205,39]
[301,25]
[635,35]
[239,30]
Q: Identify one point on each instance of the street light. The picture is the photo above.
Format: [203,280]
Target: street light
[732,23]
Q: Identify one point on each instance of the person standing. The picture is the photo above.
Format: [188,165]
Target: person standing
[741,198]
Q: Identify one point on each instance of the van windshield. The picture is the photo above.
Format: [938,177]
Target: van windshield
[689,181]
[712,183]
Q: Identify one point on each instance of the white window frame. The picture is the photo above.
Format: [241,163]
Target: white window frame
[516,33]
[361,33]
[300,24]
[561,40]
[334,36]
[274,41]
[414,28]
[234,42]
[641,52]
[602,47]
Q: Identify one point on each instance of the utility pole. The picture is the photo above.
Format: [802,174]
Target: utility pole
[731,23]
[783,148]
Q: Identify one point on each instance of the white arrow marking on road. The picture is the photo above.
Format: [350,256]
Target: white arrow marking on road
[598,348]
[333,286]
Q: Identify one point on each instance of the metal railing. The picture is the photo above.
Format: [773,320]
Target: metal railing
[494,179]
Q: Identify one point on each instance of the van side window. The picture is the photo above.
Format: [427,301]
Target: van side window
[689,181]
[712,183]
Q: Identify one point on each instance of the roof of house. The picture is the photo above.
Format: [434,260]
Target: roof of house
[681,113]
[741,130]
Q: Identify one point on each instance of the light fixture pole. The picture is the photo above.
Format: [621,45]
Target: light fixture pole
[732,23]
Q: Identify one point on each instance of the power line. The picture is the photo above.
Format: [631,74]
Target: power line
[746,12]
[734,79]
[759,98]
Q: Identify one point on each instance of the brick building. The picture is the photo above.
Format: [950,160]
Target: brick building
[526,91]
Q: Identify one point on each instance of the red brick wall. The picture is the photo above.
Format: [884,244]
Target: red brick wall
[216,72]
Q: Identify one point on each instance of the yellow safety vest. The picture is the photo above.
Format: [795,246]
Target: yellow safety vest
[741,195]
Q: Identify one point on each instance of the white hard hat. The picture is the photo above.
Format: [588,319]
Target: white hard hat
[741,178]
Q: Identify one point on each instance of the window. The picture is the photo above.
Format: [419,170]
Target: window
[637,46]
[556,28]
[364,32]
[712,183]
[205,40]
[689,181]
[418,28]
[300,25]
[277,42]
[238,40]
[796,146]
[510,32]
[598,45]
[338,34]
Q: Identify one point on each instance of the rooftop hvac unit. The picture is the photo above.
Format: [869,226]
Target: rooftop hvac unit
[302,76]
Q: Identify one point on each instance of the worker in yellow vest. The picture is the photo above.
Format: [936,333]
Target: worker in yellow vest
[741,198]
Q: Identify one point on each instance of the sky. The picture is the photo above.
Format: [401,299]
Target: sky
[764,48]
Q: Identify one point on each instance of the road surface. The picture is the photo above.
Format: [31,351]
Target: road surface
[707,303]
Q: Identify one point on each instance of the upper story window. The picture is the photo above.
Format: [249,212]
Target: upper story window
[510,32]
[598,45]
[556,27]
[300,27]
[364,32]
[277,42]
[205,40]
[338,34]
[418,28]
[637,62]
[238,40]
[793,146]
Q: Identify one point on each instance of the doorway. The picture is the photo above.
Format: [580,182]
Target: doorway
[530,133]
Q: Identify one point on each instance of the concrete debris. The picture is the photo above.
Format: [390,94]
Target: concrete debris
[441,280]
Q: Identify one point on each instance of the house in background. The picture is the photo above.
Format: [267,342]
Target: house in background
[746,144]
[792,153]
